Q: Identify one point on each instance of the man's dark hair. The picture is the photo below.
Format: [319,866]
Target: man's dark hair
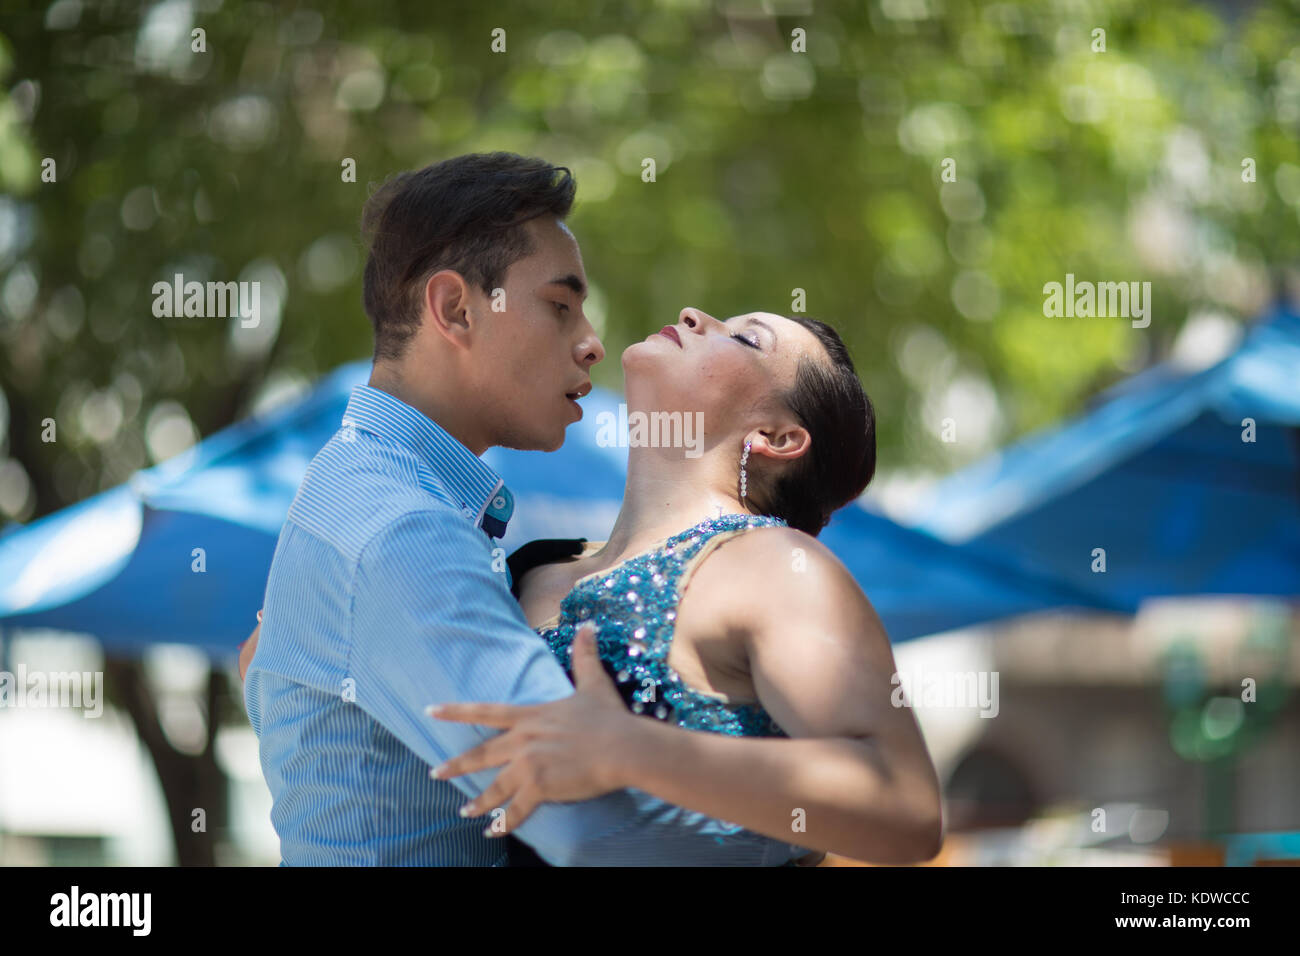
[829,401]
[465,214]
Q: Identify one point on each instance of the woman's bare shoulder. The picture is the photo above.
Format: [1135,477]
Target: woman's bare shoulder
[773,553]
[777,574]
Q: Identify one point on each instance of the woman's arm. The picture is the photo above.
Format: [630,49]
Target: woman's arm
[856,772]
[856,779]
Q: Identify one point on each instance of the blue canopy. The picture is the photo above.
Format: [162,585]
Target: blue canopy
[920,585]
[1162,475]
[123,564]
[181,553]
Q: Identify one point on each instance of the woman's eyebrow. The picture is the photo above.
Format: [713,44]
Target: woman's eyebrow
[763,325]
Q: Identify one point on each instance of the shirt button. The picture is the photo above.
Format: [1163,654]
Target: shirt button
[466,512]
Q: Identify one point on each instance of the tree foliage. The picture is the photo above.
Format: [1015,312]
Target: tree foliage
[776,168]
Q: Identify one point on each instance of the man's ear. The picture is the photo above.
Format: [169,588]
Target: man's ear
[785,442]
[447,306]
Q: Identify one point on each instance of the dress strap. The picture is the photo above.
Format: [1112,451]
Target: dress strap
[709,543]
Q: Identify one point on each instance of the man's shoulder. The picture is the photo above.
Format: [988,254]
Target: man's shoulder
[354,489]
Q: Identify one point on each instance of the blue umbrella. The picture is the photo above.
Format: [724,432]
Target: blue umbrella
[920,585]
[1163,476]
[181,553]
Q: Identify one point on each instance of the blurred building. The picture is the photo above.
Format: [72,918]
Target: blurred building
[1128,736]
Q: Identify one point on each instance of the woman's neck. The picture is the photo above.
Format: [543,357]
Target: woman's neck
[665,493]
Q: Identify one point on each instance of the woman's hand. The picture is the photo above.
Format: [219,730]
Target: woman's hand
[248,648]
[563,751]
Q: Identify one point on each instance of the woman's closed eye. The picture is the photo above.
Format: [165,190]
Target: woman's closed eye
[752,343]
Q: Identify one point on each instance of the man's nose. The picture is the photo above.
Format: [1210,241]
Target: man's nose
[590,350]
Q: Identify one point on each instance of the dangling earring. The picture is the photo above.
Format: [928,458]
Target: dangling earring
[744,460]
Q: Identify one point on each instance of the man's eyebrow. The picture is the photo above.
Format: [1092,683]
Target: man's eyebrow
[572,282]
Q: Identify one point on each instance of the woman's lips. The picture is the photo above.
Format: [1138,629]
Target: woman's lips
[671,333]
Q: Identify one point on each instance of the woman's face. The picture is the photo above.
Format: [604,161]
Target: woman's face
[735,371]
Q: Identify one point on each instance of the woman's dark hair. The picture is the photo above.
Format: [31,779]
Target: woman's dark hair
[465,214]
[829,401]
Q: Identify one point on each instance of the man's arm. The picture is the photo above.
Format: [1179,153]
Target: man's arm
[432,623]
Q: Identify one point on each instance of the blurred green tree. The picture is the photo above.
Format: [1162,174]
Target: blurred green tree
[825,170]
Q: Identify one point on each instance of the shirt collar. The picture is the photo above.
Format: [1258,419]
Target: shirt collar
[479,491]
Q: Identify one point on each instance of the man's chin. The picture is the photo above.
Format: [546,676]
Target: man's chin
[551,442]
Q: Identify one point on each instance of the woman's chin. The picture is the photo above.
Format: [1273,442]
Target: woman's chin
[633,353]
[643,359]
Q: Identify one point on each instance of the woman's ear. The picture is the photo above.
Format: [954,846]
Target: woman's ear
[784,443]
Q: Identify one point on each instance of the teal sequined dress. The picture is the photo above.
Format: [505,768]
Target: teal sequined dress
[635,607]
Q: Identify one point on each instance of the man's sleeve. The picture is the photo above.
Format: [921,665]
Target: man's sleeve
[432,622]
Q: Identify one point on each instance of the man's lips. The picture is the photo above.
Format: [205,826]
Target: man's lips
[671,333]
[579,392]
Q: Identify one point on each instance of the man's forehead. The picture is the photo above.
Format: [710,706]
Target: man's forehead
[554,247]
[555,237]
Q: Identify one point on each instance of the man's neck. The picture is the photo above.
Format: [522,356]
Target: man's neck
[450,415]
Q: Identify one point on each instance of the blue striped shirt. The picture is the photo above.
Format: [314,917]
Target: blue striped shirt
[384,597]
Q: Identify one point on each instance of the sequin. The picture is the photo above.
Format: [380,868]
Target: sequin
[636,632]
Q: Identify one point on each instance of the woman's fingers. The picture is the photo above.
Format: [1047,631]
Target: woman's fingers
[509,813]
[509,801]
[501,792]
[589,674]
[586,661]
[487,715]
[247,649]
[491,753]
[521,807]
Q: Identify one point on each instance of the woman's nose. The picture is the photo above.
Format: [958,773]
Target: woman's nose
[695,319]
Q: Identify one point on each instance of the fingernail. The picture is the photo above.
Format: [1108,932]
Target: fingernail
[433,710]
[259,617]
[491,834]
[467,809]
[436,772]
